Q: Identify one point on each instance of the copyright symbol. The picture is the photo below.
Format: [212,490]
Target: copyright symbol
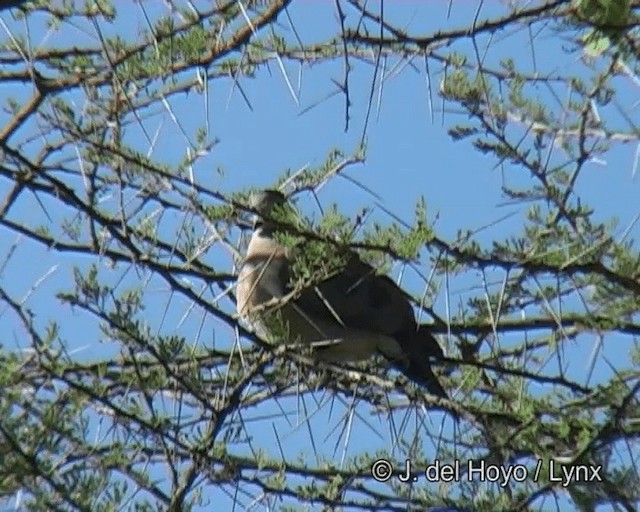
[382,470]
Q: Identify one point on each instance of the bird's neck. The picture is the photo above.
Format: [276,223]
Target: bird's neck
[264,245]
[264,230]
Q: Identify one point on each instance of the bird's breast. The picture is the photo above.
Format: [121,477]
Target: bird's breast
[259,282]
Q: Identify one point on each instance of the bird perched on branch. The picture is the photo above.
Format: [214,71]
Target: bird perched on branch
[351,315]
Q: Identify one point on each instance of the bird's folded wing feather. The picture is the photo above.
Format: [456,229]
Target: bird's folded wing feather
[359,298]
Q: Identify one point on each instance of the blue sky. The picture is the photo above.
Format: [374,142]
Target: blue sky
[409,154]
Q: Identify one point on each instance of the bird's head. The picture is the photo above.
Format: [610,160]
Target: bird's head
[264,202]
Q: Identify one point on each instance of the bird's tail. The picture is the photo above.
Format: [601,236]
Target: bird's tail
[419,346]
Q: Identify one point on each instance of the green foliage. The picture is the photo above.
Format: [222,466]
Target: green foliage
[610,20]
[459,86]
[163,398]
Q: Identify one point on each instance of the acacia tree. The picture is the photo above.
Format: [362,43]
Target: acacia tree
[115,396]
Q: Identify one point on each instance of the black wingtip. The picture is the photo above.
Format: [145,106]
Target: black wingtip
[421,373]
[419,347]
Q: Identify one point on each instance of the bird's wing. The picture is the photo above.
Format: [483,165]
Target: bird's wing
[359,298]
